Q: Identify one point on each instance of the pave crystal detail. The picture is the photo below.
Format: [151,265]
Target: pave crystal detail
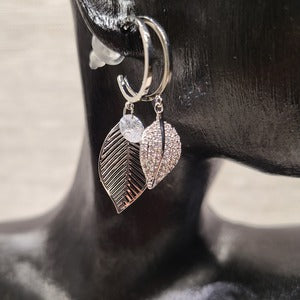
[131,128]
[156,162]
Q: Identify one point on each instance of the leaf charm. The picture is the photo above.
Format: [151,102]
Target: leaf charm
[158,159]
[119,169]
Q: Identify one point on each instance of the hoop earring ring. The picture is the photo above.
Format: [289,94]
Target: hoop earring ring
[128,93]
[167,56]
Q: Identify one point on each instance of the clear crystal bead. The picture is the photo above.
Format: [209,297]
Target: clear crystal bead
[131,128]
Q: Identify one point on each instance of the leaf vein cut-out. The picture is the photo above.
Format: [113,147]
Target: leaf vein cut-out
[120,170]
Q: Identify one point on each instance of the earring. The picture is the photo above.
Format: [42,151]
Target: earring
[131,158]
[119,165]
[160,145]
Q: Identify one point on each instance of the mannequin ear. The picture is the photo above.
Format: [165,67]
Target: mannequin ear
[108,22]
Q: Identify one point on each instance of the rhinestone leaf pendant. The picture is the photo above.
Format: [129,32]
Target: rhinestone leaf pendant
[119,166]
[160,151]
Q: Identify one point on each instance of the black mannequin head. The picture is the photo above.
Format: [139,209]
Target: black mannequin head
[234,91]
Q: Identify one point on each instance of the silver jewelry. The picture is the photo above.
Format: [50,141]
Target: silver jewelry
[119,165]
[131,158]
[160,146]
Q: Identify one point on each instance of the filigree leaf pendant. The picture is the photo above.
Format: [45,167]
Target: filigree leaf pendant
[159,155]
[119,168]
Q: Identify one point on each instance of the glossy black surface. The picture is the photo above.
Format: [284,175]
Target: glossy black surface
[234,94]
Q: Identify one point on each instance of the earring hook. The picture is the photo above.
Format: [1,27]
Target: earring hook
[167,55]
[128,93]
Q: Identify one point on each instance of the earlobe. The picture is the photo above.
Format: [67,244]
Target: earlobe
[106,14]
[105,20]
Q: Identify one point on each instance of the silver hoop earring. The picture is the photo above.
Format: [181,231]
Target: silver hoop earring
[132,159]
[126,90]
[160,145]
